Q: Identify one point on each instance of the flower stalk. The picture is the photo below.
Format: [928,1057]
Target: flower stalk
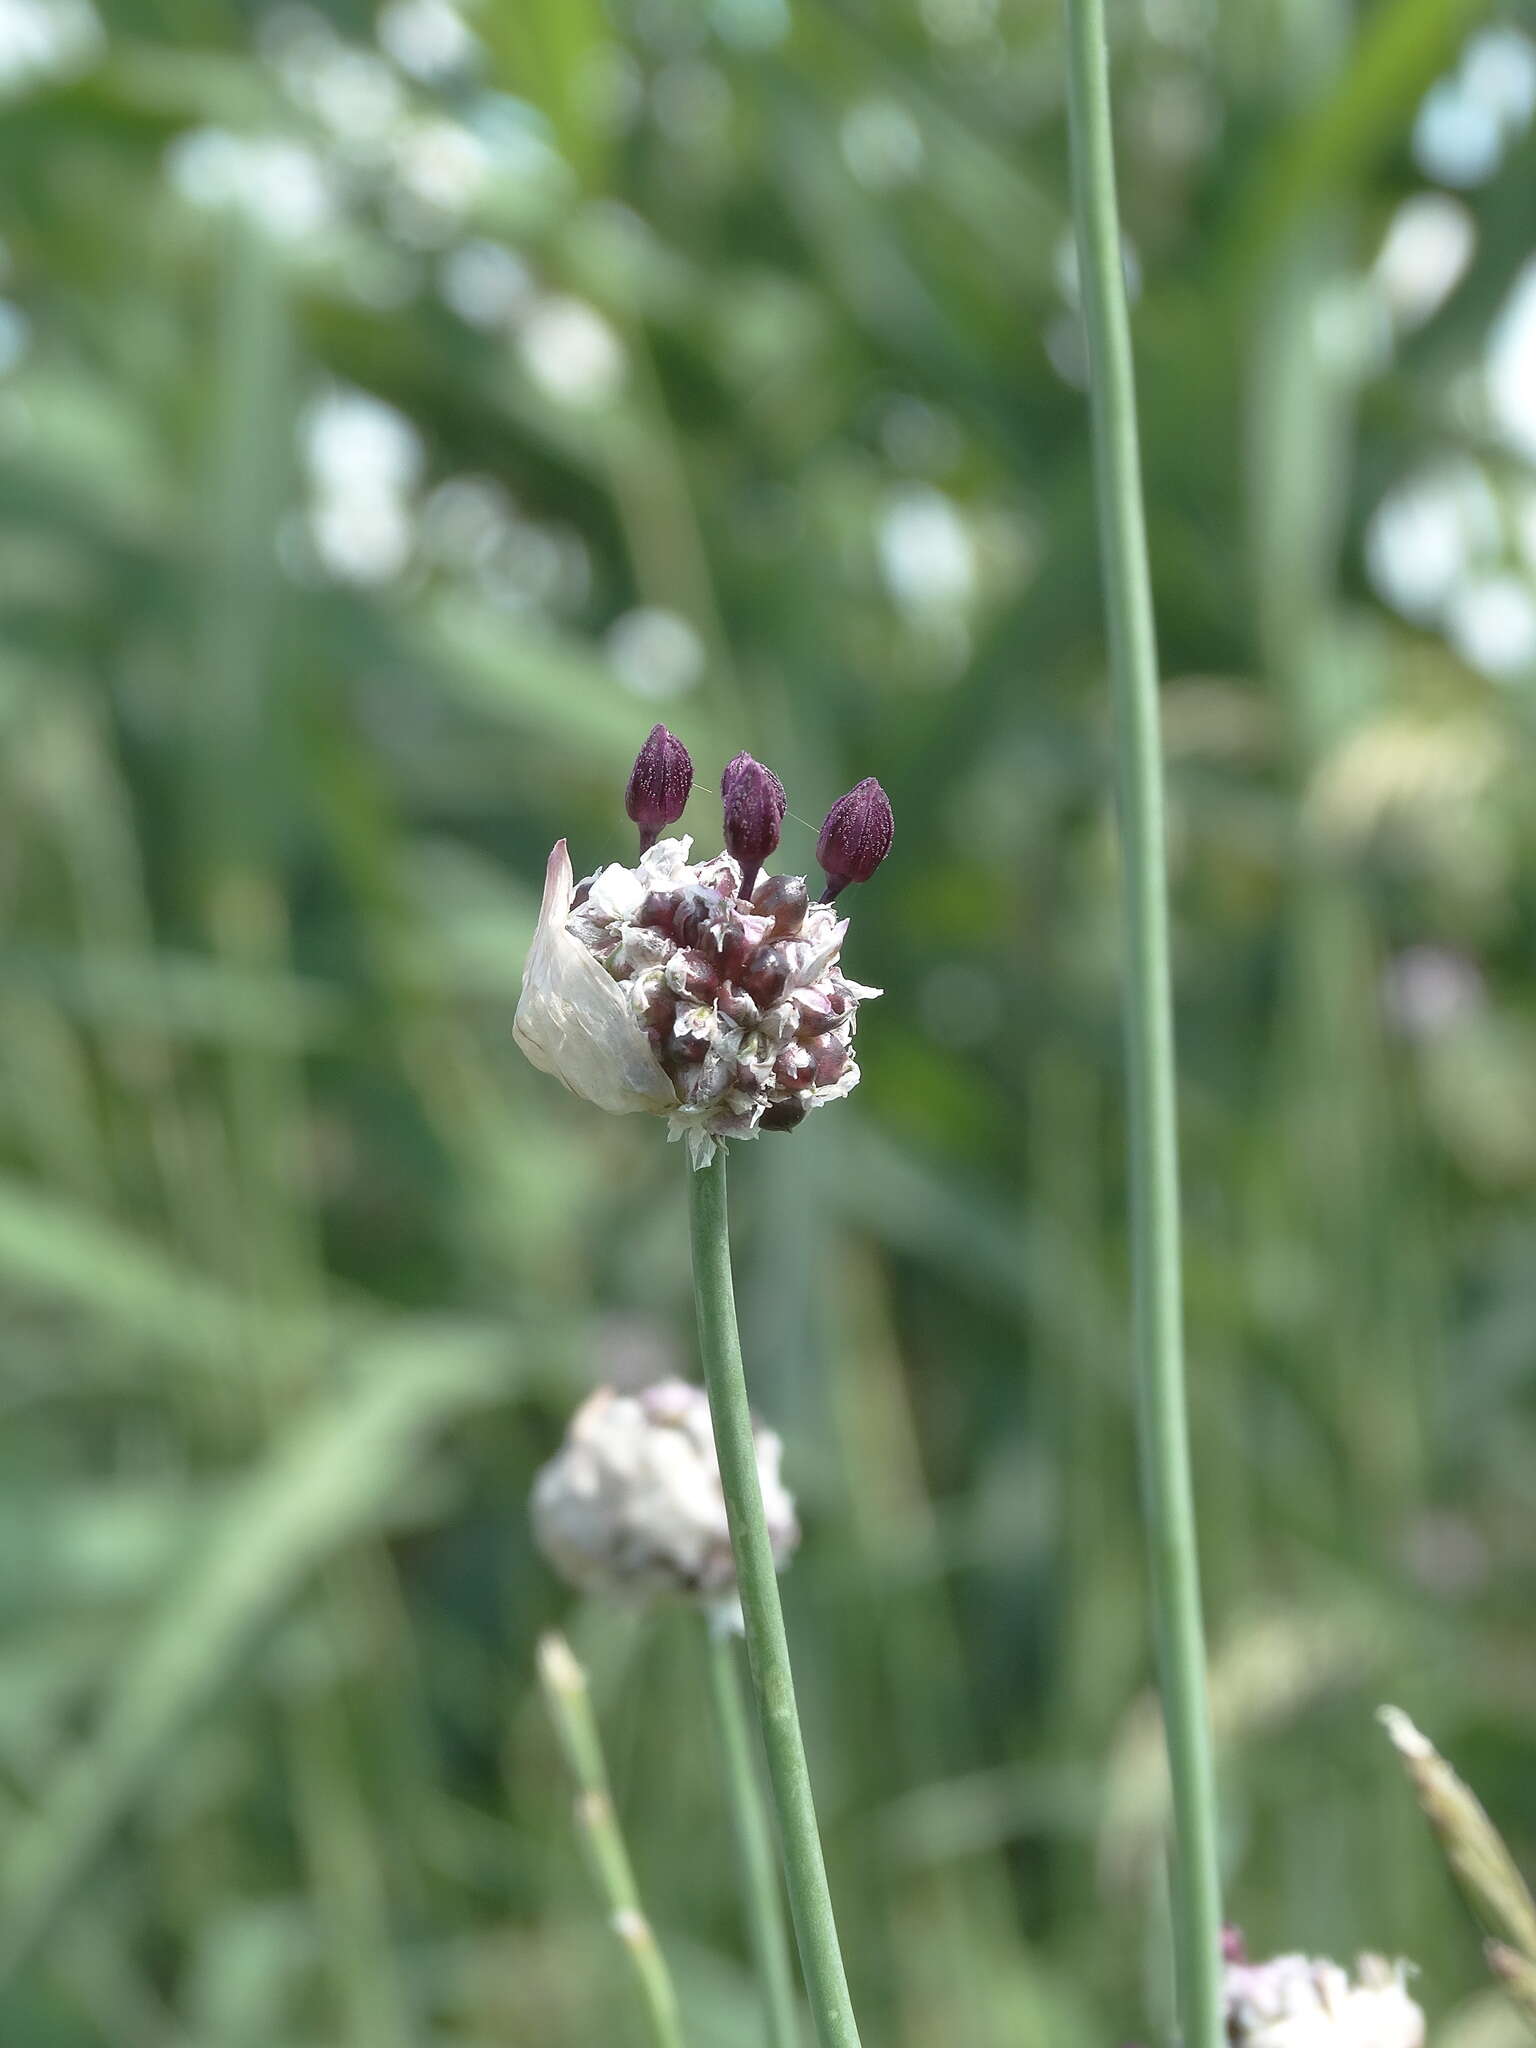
[570,1710]
[754,1843]
[1167,1485]
[805,1873]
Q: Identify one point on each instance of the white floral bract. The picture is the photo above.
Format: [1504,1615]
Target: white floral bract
[1307,2002]
[657,988]
[573,1020]
[632,1504]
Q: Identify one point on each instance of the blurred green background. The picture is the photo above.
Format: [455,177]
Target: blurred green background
[402,408]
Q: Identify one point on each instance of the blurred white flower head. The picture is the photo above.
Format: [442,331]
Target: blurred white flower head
[1491,622]
[486,285]
[1308,2002]
[654,652]
[41,39]
[364,460]
[882,144]
[280,184]
[1428,533]
[571,352]
[927,556]
[1429,990]
[1424,256]
[1469,117]
[428,38]
[442,167]
[632,1505]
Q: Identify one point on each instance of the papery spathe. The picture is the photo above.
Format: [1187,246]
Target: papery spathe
[573,1019]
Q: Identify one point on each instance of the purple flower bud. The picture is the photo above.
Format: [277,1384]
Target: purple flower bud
[784,899]
[856,836]
[659,784]
[752,798]
[794,1067]
[658,910]
[693,975]
[831,1058]
[764,974]
[784,1115]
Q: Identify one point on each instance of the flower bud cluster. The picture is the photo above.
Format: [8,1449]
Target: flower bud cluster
[744,1004]
[710,994]
[632,1503]
[1307,2002]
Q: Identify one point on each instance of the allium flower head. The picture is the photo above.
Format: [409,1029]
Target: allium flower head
[632,1505]
[703,991]
[1307,2002]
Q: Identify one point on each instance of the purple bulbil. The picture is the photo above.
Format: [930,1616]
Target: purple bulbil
[856,836]
[659,784]
[752,798]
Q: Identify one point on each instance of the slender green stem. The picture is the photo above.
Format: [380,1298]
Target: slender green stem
[1167,1484]
[570,1709]
[754,1842]
[805,1873]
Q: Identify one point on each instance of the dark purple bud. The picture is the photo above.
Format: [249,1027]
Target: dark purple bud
[706,1081]
[752,798]
[737,1007]
[690,920]
[744,765]
[830,1057]
[794,1067]
[731,949]
[820,1011]
[783,1116]
[659,784]
[748,1085]
[693,975]
[856,836]
[660,1017]
[764,975]
[784,899]
[658,910]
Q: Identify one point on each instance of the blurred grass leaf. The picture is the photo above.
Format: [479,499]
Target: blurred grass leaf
[324,1484]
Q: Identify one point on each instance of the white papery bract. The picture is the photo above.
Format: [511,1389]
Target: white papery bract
[632,1504]
[1308,2002]
[572,1018]
[658,988]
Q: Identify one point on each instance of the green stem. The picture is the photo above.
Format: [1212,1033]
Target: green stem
[1167,1483]
[570,1709]
[768,1652]
[754,1842]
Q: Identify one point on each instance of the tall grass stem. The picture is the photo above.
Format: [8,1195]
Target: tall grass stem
[575,1724]
[759,1861]
[1169,1496]
[805,1872]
